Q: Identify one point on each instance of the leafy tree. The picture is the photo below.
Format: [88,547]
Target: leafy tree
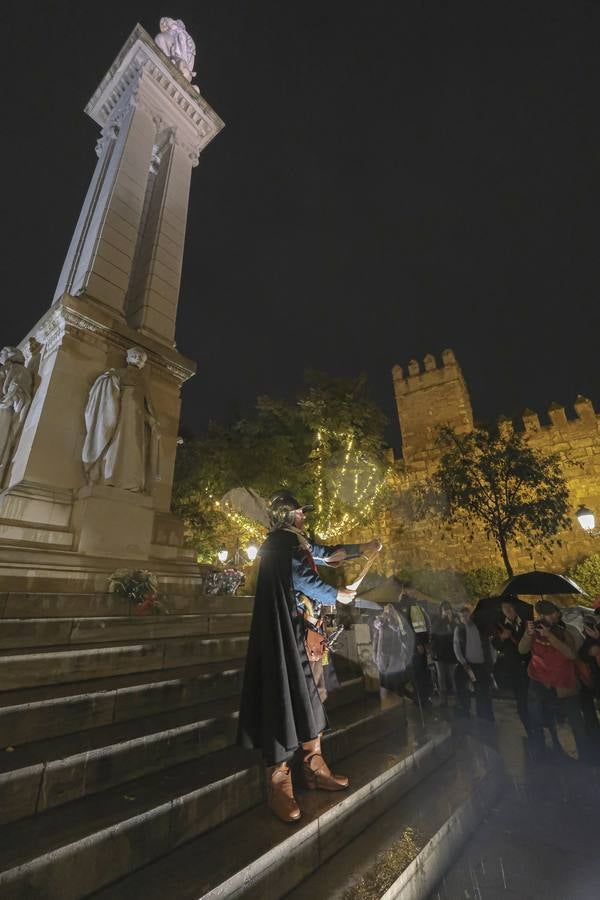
[326,446]
[517,494]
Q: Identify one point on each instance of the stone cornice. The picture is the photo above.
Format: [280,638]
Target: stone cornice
[74,316]
[140,59]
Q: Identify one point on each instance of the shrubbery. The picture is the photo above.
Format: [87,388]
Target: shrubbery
[484,581]
[587,574]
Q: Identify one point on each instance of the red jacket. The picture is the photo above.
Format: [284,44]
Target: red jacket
[550,666]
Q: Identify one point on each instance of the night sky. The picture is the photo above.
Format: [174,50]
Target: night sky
[394,178]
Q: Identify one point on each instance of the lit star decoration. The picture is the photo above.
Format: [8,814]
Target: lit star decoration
[348,484]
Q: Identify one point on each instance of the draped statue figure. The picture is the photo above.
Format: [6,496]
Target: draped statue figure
[177,45]
[16,391]
[122,433]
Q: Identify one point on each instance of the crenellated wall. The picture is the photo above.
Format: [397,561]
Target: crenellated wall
[429,396]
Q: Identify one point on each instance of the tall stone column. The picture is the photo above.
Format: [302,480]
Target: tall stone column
[118,288]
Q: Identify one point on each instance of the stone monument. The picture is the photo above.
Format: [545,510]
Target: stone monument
[90,401]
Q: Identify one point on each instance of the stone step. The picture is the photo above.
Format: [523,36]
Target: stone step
[40,713]
[270,858]
[34,714]
[441,814]
[15,605]
[49,773]
[59,632]
[19,670]
[41,774]
[68,852]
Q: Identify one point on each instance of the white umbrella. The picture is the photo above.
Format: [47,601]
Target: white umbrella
[248,503]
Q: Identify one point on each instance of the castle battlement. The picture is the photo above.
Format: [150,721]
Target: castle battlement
[418,379]
[560,425]
[428,398]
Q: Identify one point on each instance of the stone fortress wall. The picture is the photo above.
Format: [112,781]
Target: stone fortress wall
[430,396]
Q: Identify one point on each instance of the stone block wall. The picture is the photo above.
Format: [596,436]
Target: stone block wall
[429,397]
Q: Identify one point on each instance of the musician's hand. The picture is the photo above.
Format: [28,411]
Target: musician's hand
[345,596]
[371,548]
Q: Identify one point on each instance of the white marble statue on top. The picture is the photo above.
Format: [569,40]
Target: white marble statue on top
[176,43]
[16,391]
[122,432]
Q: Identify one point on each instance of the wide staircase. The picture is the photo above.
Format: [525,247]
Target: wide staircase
[119,776]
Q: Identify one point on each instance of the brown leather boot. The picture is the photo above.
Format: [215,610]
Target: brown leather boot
[280,793]
[317,774]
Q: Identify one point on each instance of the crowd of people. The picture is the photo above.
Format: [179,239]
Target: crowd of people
[549,667]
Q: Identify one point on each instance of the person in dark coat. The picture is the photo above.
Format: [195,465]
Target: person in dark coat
[511,666]
[442,648]
[589,654]
[280,707]
[418,619]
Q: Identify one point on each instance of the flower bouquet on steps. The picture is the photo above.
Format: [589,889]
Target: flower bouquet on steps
[141,588]
[225,581]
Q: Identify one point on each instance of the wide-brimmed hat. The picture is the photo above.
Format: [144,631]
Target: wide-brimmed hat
[283,503]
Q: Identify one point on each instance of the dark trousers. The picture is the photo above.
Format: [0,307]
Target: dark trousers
[588,710]
[420,675]
[544,708]
[518,682]
[445,678]
[482,689]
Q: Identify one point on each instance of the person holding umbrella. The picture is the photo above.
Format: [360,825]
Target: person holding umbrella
[281,706]
[511,666]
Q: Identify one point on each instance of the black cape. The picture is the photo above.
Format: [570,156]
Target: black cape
[280,707]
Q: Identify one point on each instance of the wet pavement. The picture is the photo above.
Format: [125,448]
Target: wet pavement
[541,838]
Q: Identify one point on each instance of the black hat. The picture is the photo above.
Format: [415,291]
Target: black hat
[283,504]
[286,498]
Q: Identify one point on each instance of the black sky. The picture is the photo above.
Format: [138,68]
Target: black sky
[394,178]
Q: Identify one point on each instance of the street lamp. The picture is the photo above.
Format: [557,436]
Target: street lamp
[587,520]
[222,555]
[252,552]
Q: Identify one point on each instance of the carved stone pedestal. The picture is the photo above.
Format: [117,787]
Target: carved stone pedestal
[61,527]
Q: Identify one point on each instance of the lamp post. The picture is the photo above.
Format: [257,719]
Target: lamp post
[251,552]
[587,520]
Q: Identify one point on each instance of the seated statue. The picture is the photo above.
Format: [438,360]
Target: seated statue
[176,43]
[122,436]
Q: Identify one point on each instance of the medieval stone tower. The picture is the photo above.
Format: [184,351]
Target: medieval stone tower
[427,400]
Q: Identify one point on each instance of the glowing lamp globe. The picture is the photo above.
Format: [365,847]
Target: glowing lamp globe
[222,555]
[586,518]
[252,552]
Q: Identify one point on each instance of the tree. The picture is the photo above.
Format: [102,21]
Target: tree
[327,446]
[516,493]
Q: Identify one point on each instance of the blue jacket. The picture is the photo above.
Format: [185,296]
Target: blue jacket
[307,582]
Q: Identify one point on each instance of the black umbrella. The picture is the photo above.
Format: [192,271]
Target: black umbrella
[541,583]
[488,612]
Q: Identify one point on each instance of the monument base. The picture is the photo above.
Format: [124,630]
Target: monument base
[31,569]
[111,522]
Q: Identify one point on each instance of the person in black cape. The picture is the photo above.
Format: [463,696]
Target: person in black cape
[281,707]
